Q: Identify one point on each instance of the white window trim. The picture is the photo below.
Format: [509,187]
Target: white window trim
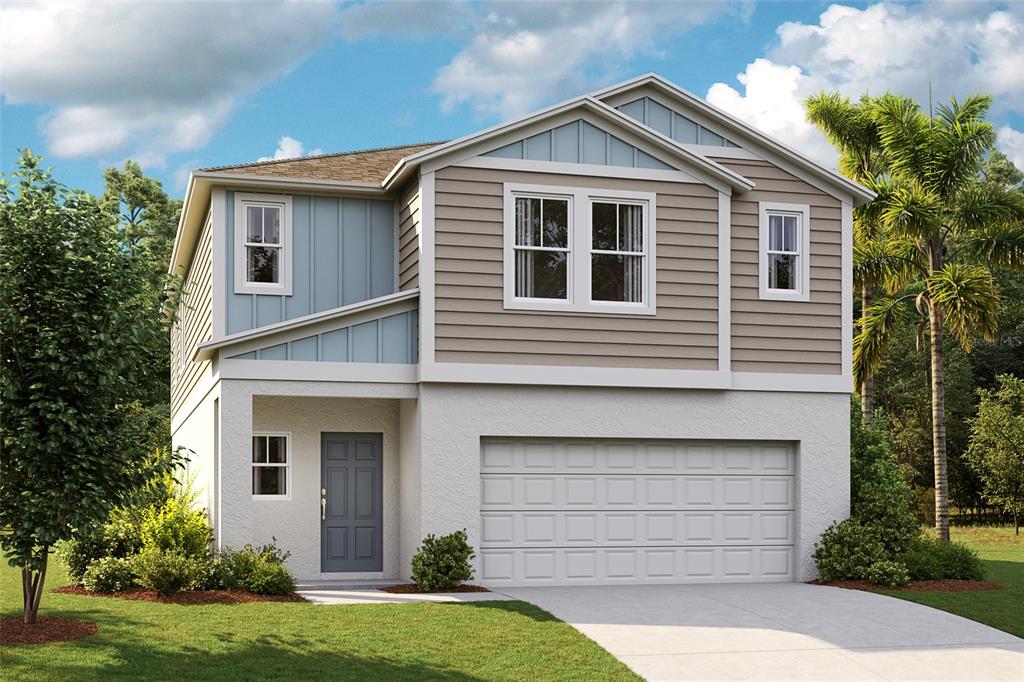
[580,243]
[803,290]
[284,202]
[287,465]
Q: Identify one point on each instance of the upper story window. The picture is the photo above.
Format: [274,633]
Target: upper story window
[263,244]
[784,263]
[578,250]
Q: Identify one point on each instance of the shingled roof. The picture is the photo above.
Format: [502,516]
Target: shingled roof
[368,165]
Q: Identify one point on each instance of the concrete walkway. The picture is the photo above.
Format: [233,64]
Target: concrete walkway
[784,631]
[371,595]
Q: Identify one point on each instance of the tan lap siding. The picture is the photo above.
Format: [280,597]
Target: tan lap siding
[195,321]
[472,325]
[785,336]
[409,237]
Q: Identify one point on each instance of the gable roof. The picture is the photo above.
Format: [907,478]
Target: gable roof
[367,165]
[584,103]
[860,194]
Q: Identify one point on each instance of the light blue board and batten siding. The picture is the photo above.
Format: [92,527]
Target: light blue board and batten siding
[578,142]
[671,123]
[343,252]
[392,339]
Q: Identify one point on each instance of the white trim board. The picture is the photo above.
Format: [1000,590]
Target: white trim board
[724,282]
[305,370]
[584,169]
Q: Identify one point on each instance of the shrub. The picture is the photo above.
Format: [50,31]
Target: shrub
[119,537]
[208,573]
[109,574]
[888,573]
[885,505]
[442,562]
[252,566]
[929,559]
[165,572]
[270,578]
[176,528]
[846,551]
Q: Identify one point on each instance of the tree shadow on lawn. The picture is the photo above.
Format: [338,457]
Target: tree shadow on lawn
[512,606]
[267,657]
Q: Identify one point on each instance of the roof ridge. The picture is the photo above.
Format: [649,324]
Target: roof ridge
[324,156]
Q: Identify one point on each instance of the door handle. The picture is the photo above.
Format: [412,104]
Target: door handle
[323,508]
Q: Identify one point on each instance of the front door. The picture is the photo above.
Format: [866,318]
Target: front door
[351,505]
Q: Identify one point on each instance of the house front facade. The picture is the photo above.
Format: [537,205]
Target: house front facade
[609,339]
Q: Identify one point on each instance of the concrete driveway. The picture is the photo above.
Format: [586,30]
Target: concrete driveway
[783,631]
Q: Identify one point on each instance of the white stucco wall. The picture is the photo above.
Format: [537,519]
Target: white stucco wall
[195,431]
[455,417]
[409,476]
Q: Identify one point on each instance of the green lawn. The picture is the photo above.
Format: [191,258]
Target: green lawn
[1003,555]
[504,640]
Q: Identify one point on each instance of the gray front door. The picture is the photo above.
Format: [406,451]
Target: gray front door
[351,490]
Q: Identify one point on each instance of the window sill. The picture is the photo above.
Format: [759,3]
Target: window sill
[568,307]
[269,290]
[783,295]
[273,498]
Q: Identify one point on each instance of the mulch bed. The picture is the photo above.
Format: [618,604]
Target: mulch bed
[917,586]
[48,629]
[412,589]
[190,597]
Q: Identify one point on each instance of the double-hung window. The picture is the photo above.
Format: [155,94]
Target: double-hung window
[784,261]
[578,250]
[270,465]
[262,244]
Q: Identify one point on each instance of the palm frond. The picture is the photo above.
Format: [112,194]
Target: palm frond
[851,129]
[960,144]
[889,263]
[987,221]
[911,212]
[877,325]
[906,135]
[969,301]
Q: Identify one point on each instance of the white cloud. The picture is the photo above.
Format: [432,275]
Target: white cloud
[290,148]
[148,79]
[523,55]
[959,48]
[1011,143]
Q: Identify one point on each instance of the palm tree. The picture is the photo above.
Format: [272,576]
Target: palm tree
[852,130]
[946,229]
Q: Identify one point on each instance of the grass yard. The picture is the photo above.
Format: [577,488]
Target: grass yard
[505,640]
[1003,555]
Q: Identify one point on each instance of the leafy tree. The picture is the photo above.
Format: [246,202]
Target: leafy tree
[997,445]
[75,318]
[946,228]
[146,220]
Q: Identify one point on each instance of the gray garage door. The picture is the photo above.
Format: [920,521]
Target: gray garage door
[590,512]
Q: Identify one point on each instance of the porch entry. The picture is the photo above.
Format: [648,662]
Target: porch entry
[351,504]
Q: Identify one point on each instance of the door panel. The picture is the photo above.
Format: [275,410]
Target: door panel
[352,481]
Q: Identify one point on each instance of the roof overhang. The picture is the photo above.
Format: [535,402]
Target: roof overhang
[615,95]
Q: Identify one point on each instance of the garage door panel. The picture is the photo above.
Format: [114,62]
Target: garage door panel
[610,457]
[623,528]
[528,492]
[618,565]
[584,511]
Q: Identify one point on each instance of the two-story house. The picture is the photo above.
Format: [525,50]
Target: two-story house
[611,339]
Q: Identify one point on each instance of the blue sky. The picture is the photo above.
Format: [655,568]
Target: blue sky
[183,85]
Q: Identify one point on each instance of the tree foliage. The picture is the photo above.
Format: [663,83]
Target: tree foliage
[996,451]
[76,321]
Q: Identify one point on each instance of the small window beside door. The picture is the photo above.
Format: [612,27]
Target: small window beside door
[784,262]
[271,466]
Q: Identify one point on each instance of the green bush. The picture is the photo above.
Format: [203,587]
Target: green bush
[887,573]
[109,574]
[846,551]
[119,537]
[885,505]
[209,573]
[270,578]
[443,562]
[177,528]
[254,568]
[929,559]
[165,572]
